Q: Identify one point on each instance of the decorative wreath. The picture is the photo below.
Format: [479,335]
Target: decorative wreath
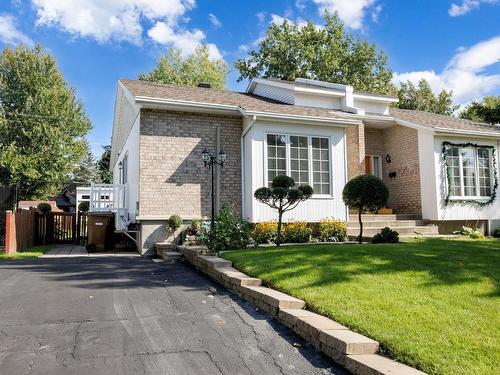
[446,146]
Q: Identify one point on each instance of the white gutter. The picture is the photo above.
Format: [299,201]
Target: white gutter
[480,133]
[281,116]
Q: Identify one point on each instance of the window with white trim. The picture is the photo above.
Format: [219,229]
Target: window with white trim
[470,172]
[304,158]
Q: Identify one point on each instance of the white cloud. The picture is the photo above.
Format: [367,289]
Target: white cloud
[300,4]
[466,6]
[9,34]
[214,20]
[122,20]
[187,40]
[351,12]
[464,74]
[261,16]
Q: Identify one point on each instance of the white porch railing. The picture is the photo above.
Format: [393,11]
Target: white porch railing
[111,198]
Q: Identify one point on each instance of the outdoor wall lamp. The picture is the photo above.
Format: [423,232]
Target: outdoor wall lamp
[388,158]
[212,162]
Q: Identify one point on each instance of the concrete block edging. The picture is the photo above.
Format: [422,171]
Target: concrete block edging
[355,352]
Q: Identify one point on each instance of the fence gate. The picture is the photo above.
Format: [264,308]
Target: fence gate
[57,227]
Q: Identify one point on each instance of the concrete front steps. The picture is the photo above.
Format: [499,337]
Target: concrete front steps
[405,224]
[167,251]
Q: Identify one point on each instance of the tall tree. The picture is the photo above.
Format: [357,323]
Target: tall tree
[189,71]
[87,171]
[103,164]
[422,98]
[43,126]
[487,110]
[328,53]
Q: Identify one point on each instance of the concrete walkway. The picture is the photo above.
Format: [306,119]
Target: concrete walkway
[124,315]
[70,251]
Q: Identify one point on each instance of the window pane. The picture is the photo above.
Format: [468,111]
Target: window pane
[376,166]
[321,165]
[469,171]
[484,169]
[276,156]
[299,161]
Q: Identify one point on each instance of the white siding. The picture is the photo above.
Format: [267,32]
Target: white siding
[308,100]
[428,189]
[461,211]
[372,107]
[275,93]
[311,210]
[131,149]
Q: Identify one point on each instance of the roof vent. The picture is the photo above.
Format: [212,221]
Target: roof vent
[204,85]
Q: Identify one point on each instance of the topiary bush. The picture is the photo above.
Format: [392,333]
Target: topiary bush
[174,222]
[296,232]
[365,193]
[264,232]
[283,196]
[332,230]
[44,208]
[386,235]
[84,206]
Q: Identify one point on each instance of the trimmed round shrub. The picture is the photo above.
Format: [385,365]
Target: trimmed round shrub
[332,230]
[44,208]
[84,206]
[174,222]
[386,235]
[296,232]
[365,193]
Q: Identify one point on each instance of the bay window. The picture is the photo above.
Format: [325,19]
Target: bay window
[470,171]
[304,158]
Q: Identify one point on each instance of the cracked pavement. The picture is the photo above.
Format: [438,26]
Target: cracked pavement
[128,315]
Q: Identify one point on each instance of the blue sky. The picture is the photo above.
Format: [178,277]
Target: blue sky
[454,44]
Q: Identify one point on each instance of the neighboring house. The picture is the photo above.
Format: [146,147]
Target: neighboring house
[66,199]
[82,195]
[26,205]
[436,167]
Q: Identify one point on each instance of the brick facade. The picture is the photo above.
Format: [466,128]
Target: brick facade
[401,144]
[355,145]
[173,179]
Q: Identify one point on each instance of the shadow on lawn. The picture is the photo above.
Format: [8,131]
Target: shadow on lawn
[445,261]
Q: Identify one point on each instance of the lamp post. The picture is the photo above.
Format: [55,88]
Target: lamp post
[212,161]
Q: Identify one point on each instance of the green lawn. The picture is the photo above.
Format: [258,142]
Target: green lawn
[434,305]
[33,252]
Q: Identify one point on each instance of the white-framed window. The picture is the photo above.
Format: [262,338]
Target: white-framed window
[470,172]
[373,165]
[305,158]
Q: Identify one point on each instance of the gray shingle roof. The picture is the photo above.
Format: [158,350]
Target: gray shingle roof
[248,102]
[441,121]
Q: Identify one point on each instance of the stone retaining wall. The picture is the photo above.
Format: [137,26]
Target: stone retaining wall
[355,352]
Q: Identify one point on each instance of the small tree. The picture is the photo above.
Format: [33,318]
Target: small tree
[283,196]
[365,193]
[84,206]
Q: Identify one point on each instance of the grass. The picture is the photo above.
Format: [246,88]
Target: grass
[434,305]
[32,252]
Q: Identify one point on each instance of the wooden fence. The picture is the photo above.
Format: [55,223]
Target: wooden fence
[26,221]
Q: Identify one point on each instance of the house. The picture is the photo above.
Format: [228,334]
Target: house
[437,168]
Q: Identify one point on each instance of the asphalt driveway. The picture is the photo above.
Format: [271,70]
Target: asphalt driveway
[129,315]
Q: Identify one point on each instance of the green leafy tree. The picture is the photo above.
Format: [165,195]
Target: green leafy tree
[283,196]
[291,51]
[87,171]
[422,98]
[189,71]
[487,110]
[365,193]
[106,176]
[42,124]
